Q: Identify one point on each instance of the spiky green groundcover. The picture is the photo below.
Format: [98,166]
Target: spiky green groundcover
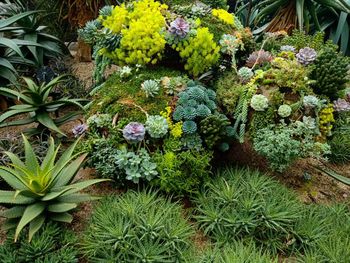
[245,205]
[52,245]
[137,227]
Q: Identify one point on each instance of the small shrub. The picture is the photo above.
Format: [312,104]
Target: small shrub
[137,227]
[52,244]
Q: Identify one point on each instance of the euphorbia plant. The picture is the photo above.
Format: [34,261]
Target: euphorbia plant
[43,191]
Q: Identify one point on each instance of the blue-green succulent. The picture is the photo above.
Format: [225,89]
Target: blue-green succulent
[157,126]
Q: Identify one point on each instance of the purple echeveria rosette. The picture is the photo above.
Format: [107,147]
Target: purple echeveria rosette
[341,105]
[134,132]
[306,56]
[79,129]
[179,27]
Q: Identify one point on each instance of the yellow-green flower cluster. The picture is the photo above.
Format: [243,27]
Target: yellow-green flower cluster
[175,128]
[200,52]
[116,20]
[326,120]
[142,42]
[224,16]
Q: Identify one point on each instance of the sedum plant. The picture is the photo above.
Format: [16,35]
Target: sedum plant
[36,101]
[42,191]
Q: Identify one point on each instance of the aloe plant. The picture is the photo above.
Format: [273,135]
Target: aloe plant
[36,101]
[42,191]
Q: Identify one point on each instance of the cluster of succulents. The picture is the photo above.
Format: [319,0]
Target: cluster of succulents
[259,102]
[137,165]
[330,73]
[258,58]
[157,126]
[134,132]
[306,56]
[311,101]
[194,103]
[150,87]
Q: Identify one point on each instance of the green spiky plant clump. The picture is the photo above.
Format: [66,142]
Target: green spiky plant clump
[42,191]
[243,204]
[150,88]
[301,40]
[333,232]
[182,172]
[330,73]
[340,147]
[236,252]
[137,227]
[194,104]
[52,244]
[124,96]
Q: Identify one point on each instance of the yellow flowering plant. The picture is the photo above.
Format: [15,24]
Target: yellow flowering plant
[224,16]
[175,128]
[326,120]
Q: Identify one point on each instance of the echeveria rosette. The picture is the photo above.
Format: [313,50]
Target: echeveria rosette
[245,74]
[79,129]
[311,101]
[259,102]
[306,56]
[284,111]
[134,132]
[179,28]
[288,48]
[341,105]
[157,126]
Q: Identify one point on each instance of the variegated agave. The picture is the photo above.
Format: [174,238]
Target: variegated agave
[43,191]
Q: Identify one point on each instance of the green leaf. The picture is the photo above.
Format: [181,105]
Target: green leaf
[341,23]
[35,225]
[64,217]
[334,175]
[30,158]
[56,194]
[82,185]
[5,63]
[46,120]
[67,174]
[9,197]
[300,13]
[11,44]
[77,198]
[18,122]
[61,207]
[13,19]
[12,179]
[13,212]
[30,213]
[12,113]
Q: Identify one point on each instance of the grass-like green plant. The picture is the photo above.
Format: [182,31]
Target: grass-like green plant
[36,101]
[236,253]
[42,191]
[137,227]
[243,204]
[51,244]
[340,147]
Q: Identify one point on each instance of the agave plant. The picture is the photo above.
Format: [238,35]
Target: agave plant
[35,100]
[42,191]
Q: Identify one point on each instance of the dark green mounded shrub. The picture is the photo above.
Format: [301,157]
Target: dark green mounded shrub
[330,73]
[137,227]
[52,244]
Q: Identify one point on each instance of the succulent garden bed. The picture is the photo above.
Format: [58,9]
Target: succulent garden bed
[190,138]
